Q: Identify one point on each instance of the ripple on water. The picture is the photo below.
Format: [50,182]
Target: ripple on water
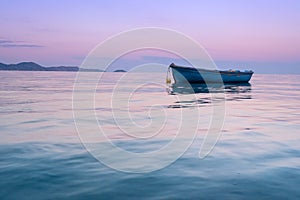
[257,156]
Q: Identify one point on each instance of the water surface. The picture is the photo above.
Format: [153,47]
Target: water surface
[257,155]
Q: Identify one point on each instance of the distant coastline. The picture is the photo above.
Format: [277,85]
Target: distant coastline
[31,66]
[119,70]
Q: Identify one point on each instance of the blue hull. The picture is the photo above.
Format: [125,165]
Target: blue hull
[193,75]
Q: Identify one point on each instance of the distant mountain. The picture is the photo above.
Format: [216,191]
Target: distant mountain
[31,66]
[24,66]
[62,68]
[119,70]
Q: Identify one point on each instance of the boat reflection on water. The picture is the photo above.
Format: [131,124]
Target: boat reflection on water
[186,88]
[232,91]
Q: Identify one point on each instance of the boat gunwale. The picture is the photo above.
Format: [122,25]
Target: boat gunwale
[214,71]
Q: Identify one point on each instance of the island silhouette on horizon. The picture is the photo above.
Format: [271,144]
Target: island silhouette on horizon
[32,66]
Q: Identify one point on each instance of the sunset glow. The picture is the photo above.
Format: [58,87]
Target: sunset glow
[255,33]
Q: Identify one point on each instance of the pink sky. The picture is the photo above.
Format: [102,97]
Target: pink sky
[64,33]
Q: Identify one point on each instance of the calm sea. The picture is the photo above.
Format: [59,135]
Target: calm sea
[257,155]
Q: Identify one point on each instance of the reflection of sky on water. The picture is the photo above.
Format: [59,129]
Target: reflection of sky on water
[256,156]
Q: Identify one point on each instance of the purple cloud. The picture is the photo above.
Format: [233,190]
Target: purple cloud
[16,44]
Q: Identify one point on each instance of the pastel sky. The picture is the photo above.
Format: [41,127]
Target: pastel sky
[261,34]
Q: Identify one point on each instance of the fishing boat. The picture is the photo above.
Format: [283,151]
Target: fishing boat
[197,75]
